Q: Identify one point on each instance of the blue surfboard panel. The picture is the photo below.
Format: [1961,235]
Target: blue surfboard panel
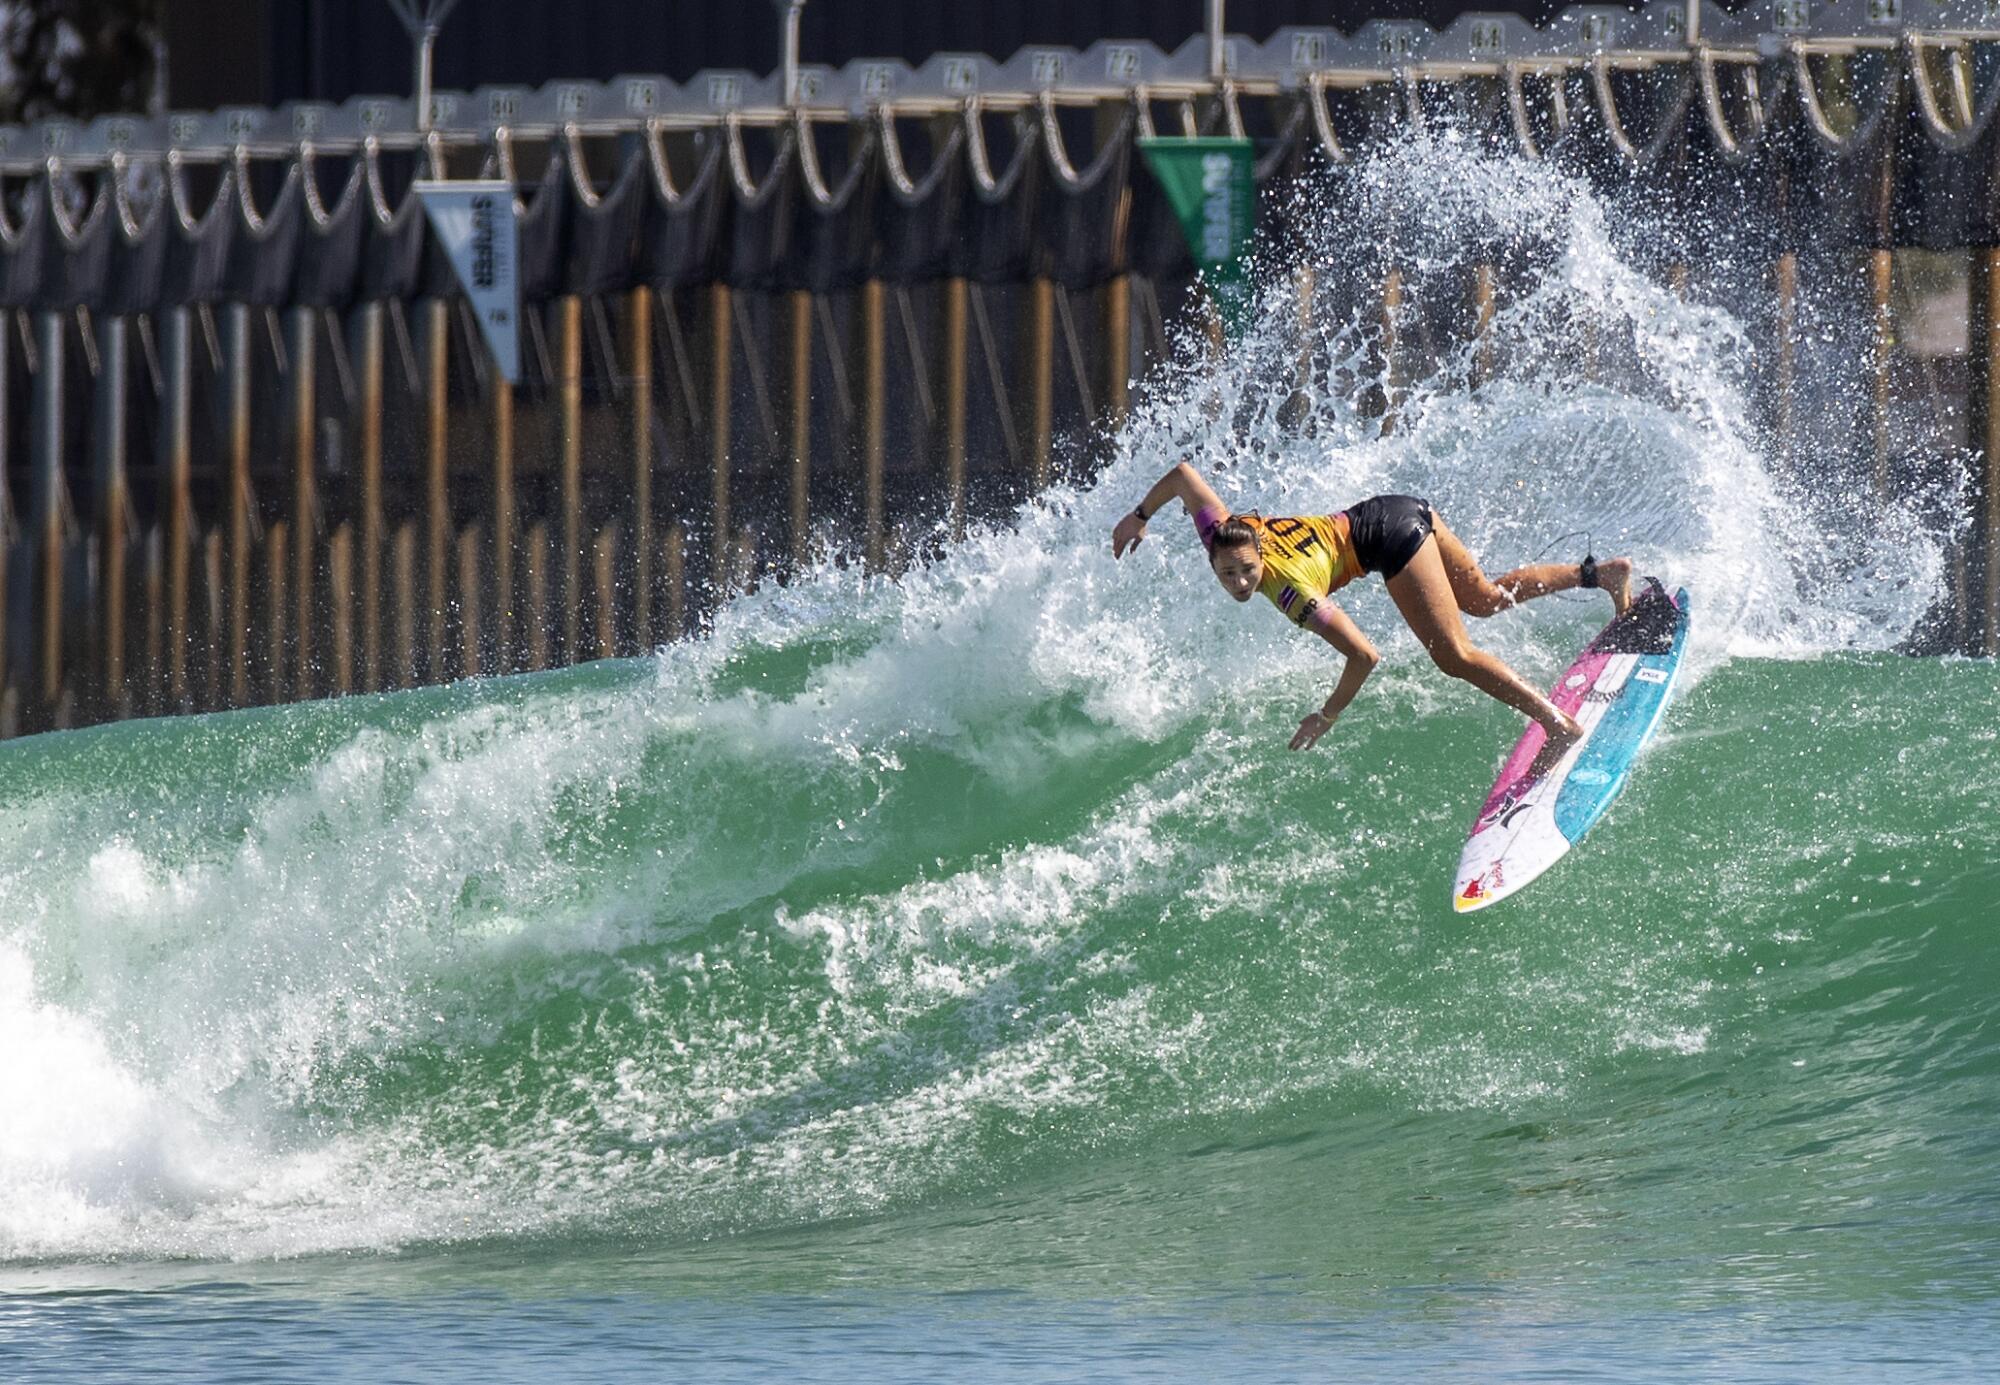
[1602,766]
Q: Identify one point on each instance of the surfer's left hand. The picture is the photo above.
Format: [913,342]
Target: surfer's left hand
[1315,725]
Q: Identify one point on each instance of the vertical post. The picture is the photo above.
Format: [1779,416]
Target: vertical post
[719,347]
[604,571]
[1305,287]
[1041,379]
[113,504]
[437,477]
[468,601]
[177,421]
[213,561]
[1117,322]
[874,416]
[1392,314]
[276,535]
[639,351]
[1881,280]
[238,489]
[340,589]
[674,558]
[305,489]
[799,405]
[49,409]
[404,581]
[1218,55]
[370,595]
[537,623]
[570,385]
[7,691]
[1785,352]
[1979,622]
[1482,321]
[955,356]
[507,612]
[153,701]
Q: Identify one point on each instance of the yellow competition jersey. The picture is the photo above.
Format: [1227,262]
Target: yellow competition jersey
[1305,559]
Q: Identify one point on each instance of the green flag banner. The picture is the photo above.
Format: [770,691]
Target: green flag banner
[1209,184]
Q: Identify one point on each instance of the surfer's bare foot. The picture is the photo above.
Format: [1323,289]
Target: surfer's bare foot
[1560,738]
[1615,576]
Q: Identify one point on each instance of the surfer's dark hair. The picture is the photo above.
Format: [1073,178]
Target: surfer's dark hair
[1231,533]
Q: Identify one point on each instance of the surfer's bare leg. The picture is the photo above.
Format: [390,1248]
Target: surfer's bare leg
[1479,595]
[1423,592]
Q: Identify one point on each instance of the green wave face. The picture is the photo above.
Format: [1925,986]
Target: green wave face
[993,902]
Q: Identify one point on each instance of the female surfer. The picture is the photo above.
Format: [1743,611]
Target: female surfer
[1300,562]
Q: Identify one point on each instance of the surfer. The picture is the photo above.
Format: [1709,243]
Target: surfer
[1299,562]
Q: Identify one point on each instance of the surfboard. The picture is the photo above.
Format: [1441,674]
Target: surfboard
[1618,688]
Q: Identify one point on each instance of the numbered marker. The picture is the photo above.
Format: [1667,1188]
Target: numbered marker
[1121,64]
[960,74]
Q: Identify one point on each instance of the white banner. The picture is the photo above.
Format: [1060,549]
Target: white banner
[474,220]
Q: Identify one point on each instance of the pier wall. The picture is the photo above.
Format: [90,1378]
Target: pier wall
[253,451]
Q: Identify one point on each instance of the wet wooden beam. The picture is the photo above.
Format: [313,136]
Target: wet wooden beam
[956,357]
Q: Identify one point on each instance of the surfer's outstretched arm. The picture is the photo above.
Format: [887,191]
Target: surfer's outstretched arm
[1332,624]
[1182,483]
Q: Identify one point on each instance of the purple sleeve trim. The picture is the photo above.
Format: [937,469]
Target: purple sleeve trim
[1206,519]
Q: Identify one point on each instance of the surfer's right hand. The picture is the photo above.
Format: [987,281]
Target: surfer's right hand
[1125,535]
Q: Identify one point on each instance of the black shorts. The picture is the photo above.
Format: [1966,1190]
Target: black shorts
[1388,530]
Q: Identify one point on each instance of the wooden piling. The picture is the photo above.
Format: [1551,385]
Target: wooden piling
[536,616]
[956,354]
[238,488]
[403,597]
[113,504]
[50,503]
[1392,321]
[177,499]
[368,385]
[639,362]
[798,417]
[1482,322]
[506,523]
[468,601]
[1041,380]
[300,349]
[276,541]
[1979,623]
[604,572]
[874,417]
[437,482]
[1881,283]
[569,387]
[340,591]
[1784,352]
[719,347]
